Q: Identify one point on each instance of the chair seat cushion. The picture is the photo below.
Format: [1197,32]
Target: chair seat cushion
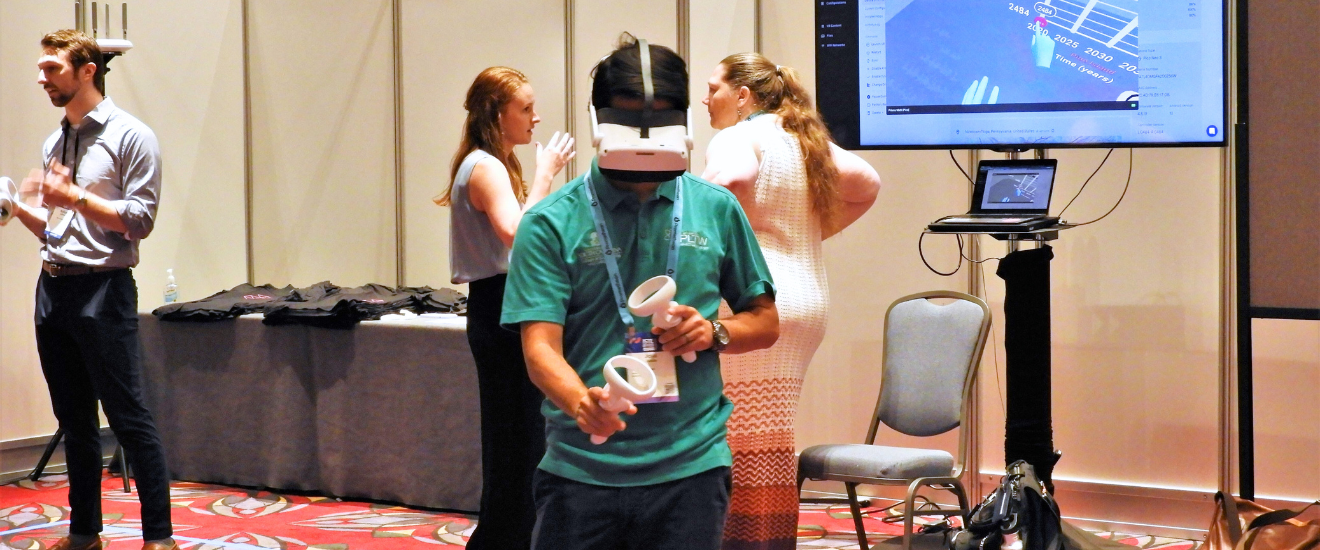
[873,461]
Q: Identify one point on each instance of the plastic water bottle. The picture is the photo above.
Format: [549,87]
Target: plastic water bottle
[171,289]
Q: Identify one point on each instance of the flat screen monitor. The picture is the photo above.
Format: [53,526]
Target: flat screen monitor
[905,74]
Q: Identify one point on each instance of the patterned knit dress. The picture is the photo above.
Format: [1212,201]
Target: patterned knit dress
[765,385]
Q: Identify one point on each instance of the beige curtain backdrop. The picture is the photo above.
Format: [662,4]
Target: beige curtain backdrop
[1136,297]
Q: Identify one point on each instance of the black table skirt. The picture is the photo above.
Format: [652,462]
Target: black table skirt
[386,411]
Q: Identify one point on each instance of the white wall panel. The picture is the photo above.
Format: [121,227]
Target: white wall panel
[323,141]
[718,28]
[26,118]
[445,45]
[1287,387]
[597,25]
[184,78]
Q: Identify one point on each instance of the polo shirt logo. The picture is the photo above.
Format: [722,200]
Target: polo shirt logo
[588,253]
[692,239]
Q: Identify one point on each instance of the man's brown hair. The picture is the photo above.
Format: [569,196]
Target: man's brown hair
[82,50]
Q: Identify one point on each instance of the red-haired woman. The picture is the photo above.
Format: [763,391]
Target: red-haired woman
[487,196]
[775,154]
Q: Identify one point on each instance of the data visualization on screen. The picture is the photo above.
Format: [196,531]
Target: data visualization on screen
[1017,189]
[973,73]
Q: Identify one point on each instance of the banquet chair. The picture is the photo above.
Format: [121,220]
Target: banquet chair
[928,371]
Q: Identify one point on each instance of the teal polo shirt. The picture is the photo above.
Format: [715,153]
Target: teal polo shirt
[557,274]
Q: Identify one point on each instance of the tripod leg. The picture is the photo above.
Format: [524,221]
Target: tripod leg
[45,456]
[123,466]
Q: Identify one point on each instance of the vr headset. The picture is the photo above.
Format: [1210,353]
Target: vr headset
[642,146]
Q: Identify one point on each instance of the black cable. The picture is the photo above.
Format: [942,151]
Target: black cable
[1088,180]
[923,504]
[922,253]
[977,262]
[1120,197]
[960,168]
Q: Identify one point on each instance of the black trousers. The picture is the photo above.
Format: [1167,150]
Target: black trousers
[684,514]
[87,337]
[512,427]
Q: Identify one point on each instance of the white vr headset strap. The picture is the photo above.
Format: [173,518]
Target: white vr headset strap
[648,88]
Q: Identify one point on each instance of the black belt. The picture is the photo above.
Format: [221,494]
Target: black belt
[65,270]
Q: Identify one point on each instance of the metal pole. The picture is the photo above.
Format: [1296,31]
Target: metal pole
[683,8]
[684,30]
[247,147]
[570,85]
[972,479]
[400,229]
[756,25]
[1238,264]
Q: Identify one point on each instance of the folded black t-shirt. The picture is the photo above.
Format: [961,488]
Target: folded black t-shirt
[430,300]
[226,304]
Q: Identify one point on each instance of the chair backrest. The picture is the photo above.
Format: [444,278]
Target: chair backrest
[931,352]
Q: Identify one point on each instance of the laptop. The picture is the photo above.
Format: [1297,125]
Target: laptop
[1009,196]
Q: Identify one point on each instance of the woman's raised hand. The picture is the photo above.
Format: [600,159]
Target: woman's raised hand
[554,156]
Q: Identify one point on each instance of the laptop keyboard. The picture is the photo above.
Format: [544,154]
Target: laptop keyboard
[1009,220]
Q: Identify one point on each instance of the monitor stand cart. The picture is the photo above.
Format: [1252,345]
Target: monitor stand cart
[1028,419]
[1028,415]
[1028,422]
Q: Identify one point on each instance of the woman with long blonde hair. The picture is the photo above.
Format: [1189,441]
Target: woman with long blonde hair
[798,188]
[487,196]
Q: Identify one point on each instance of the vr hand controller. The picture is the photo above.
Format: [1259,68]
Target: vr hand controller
[619,393]
[653,298]
[8,198]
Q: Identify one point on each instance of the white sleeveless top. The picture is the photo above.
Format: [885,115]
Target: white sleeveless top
[475,251]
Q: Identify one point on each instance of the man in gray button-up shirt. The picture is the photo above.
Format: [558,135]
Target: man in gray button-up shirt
[89,205]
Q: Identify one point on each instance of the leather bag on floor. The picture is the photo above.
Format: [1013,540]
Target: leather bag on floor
[1021,506]
[1244,525]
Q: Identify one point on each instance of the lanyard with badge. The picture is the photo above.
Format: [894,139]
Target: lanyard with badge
[644,346]
[60,218]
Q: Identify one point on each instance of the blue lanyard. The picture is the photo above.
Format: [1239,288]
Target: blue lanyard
[607,245]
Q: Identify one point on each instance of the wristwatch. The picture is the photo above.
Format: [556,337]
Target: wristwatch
[82,197]
[720,334]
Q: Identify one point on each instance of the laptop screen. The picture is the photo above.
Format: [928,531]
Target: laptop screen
[1014,186]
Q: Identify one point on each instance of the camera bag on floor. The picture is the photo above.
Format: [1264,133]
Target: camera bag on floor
[1018,505]
[1244,525]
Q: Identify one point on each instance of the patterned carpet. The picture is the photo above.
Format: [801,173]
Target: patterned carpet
[212,517]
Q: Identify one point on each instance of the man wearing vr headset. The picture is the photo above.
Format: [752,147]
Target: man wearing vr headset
[662,479]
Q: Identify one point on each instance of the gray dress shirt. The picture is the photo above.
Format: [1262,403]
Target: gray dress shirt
[118,159]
